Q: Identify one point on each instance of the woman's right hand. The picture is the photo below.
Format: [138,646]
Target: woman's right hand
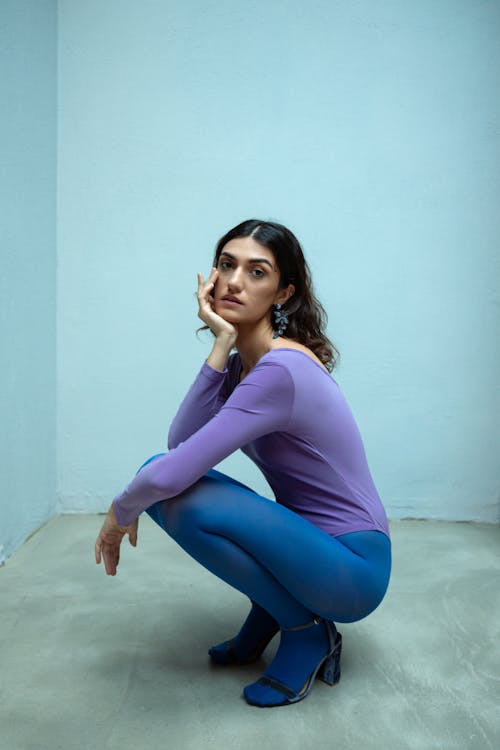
[217,324]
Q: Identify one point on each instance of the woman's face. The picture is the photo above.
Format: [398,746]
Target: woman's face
[248,272]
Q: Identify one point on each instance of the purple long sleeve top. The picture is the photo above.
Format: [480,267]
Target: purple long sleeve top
[290,417]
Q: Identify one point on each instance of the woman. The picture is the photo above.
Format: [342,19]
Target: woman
[321,553]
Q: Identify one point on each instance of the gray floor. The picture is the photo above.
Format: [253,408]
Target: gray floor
[94,661]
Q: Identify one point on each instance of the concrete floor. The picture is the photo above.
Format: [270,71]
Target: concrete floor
[90,661]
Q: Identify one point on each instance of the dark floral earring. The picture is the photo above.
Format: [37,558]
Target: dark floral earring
[280,320]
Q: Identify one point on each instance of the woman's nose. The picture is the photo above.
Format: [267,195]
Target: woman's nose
[234,280]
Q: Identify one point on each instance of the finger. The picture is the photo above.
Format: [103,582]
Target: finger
[106,562]
[213,275]
[109,562]
[132,537]
[210,283]
[203,293]
[201,287]
[98,552]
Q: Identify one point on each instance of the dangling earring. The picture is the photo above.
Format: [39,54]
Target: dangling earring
[280,320]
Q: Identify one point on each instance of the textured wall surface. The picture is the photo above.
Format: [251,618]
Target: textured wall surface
[371,129]
[27,268]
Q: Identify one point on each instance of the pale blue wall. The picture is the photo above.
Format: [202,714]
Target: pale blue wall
[371,129]
[27,268]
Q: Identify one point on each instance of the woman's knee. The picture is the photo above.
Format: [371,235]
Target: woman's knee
[186,511]
[151,458]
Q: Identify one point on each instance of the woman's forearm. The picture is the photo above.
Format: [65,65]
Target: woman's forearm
[202,401]
[220,353]
[200,404]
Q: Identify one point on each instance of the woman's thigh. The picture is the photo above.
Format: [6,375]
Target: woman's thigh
[152,511]
[342,581]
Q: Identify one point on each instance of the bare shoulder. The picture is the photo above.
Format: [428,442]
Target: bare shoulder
[283,343]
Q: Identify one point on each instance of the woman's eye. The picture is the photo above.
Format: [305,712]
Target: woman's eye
[224,264]
[258,272]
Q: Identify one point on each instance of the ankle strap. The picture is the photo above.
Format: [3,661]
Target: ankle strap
[315,621]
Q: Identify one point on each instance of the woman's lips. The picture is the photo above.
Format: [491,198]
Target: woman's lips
[230,302]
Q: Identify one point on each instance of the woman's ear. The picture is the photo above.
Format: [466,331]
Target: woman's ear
[285,294]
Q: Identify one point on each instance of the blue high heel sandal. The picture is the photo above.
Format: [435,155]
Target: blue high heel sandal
[328,670]
[226,653]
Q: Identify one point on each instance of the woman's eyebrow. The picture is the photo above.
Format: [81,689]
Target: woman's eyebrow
[251,260]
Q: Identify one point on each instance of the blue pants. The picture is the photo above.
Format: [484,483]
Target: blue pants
[273,555]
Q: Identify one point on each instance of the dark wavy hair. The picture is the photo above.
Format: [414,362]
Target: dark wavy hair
[307,317]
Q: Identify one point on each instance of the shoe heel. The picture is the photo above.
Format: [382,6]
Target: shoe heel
[329,671]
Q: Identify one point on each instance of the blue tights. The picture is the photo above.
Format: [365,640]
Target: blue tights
[281,561]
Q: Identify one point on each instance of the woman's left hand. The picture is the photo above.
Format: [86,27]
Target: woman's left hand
[109,540]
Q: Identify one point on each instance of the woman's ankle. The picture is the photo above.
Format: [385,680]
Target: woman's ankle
[254,635]
[258,624]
